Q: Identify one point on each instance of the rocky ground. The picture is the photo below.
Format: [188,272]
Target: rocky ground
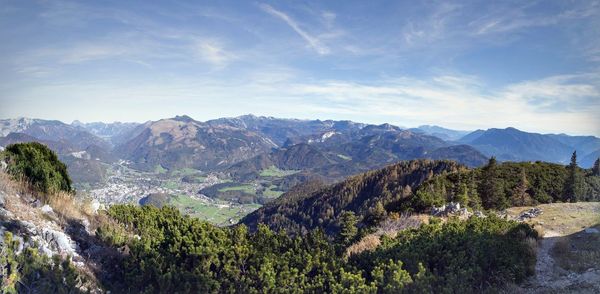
[62,228]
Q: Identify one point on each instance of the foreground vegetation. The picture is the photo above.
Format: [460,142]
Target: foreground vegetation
[38,165]
[176,253]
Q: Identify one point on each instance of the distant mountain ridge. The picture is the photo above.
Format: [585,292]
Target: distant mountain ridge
[245,145]
[83,152]
[511,144]
[51,130]
[440,132]
[338,153]
[108,131]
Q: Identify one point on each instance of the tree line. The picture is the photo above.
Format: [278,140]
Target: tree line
[498,186]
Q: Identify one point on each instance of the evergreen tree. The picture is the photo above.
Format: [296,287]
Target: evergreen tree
[474,199]
[596,169]
[519,196]
[490,190]
[572,183]
[348,228]
[376,214]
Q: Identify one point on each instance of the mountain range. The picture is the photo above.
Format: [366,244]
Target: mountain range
[244,146]
[511,144]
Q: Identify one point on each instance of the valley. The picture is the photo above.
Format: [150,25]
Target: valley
[180,188]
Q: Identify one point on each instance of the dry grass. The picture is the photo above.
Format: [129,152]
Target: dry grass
[399,222]
[578,252]
[539,229]
[69,208]
[19,198]
[12,187]
[368,243]
[389,227]
[563,218]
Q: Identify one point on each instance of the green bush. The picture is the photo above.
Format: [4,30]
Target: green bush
[37,164]
[468,256]
[176,253]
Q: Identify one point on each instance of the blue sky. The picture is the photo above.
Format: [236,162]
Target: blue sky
[534,65]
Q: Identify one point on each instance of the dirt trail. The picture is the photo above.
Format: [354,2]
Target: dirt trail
[561,221]
[545,266]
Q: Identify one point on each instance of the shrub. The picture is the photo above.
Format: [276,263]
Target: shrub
[469,256]
[176,253]
[38,165]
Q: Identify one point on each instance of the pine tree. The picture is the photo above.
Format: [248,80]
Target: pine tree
[474,200]
[519,196]
[571,188]
[596,169]
[491,191]
[377,213]
[348,228]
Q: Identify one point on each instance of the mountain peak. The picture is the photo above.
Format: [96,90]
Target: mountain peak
[183,118]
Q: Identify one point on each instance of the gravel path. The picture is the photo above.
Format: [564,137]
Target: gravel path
[550,278]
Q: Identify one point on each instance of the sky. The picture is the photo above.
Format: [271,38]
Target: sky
[533,65]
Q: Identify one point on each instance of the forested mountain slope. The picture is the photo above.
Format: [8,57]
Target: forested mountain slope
[417,186]
[497,186]
[366,195]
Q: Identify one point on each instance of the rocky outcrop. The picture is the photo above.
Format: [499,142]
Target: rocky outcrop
[451,208]
[529,214]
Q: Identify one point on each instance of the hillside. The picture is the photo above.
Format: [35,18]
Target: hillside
[504,185]
[419,186]
[361,194]
[589,159]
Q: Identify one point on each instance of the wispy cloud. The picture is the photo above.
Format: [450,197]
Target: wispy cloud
[431,26]
[214,53]
[312,41]
[450,100]
[509,18]
[399,63]
[565,93]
